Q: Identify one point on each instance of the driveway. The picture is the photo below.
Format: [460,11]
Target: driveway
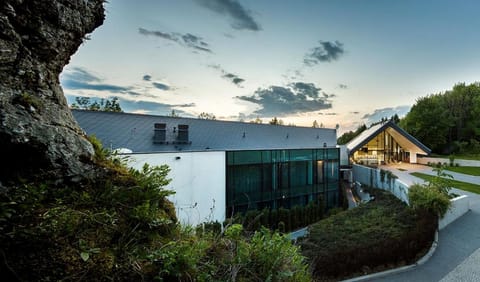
[458,253]
[403,170]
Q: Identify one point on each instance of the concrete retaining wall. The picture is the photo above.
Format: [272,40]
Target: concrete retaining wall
[372,177]
[426,160]
[460,205]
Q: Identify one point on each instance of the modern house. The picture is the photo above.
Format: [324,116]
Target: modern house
[219,168]
[384,143]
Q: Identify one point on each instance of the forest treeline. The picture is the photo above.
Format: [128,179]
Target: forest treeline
[447,122]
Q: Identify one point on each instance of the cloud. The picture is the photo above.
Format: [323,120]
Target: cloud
[298,97]
[78,79]
[186,40]
[326,52]
[160,86]
[235,79]
[81,79]
[328,114]
[82,75]
[152,107]
[79,85]
[189,105]
[355,112]
[342,86]
[378,114]
[240,17]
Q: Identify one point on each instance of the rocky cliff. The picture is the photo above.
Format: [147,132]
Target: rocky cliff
[38,135]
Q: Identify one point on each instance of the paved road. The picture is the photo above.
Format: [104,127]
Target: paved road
[457,256]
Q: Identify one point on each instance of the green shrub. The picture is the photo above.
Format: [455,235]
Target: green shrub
[427,198]
[452,160]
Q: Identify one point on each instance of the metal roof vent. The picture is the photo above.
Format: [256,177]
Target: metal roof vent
[159,133]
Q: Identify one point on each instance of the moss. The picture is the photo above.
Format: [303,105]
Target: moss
[28,100]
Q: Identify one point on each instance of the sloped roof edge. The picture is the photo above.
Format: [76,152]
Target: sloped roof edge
[410,137]
[383,127]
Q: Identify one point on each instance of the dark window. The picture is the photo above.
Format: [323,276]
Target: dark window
[159,130]
[182,133]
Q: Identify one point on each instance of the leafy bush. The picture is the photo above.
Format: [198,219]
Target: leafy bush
[433,196]
[423,197]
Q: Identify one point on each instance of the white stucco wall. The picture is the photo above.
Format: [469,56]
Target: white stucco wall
[426,160]
[198,179]
[371,177]
[413,157]
[460,205]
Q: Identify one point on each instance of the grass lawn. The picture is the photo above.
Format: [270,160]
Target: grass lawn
[471,170]
[402,169]
[470,187]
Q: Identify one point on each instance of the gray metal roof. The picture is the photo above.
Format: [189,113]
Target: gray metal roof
[400,135]
[136,131]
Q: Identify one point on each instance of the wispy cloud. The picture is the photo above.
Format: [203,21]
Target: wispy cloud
[240,17]
[298,97]
[80,79]
[327,51]
[378,114]
[154,107]
[161,86]
[235,79]
[186,40]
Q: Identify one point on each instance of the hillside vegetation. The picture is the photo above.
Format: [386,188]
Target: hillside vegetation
[123,228]
[447,122]
[381,234]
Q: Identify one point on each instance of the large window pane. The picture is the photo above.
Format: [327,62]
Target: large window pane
[298,155]
[298,173]
[274,178]
[248,157]
[320,172]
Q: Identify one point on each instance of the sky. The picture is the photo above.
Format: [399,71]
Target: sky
[340,62]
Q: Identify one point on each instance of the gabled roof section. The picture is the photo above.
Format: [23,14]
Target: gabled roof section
[136,132]
[401,137]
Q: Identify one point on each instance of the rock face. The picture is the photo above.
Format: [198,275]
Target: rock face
[38,135]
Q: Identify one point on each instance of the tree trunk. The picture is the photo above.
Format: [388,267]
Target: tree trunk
[38,135]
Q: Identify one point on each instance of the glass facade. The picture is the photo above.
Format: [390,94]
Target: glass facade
[382,149]
[281,178]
